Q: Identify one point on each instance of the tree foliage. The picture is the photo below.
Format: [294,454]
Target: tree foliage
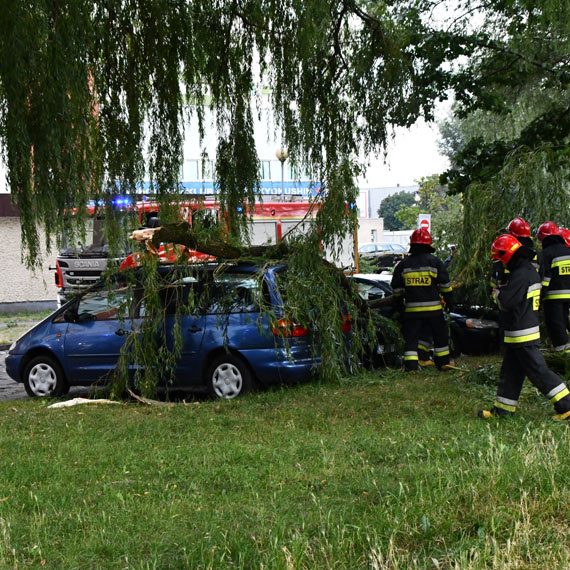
[95,96]
[508,141]
[391,205]
[446,213]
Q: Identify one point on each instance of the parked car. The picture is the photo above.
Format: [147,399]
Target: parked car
[473,330]
[228,344]
[372,287]
[382,254]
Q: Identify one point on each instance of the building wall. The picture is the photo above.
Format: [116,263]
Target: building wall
[401,236]
[376,195]
[18,283]
[370,230]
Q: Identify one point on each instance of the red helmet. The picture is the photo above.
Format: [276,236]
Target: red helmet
[421,236]
[547,229]
[504,246]
[566,235]
[519,228]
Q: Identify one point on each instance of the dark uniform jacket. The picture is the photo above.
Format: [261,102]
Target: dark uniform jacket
[556,264]
[519,301]
[421,279]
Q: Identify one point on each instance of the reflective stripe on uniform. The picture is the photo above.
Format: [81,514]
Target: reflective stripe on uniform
[442,351]
[546,282]
[534,290]
[420,309]
[558,393]
[524,335]
[424,345]
[563,261]
[445,287]
[558,294]
[411,355]
[423,306]
[505,406]
[506,401]
[431,271]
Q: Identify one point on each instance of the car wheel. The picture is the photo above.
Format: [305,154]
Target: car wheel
[229,377]
[43,378]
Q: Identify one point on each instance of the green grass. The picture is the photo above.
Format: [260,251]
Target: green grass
[14,326]
[385,470]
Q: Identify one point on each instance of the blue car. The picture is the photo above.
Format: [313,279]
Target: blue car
[228,344]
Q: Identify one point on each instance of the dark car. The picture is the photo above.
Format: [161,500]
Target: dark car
[375,287]
[382,254]
[473,330]
[228,343]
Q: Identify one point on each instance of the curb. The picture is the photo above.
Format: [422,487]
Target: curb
[4,346]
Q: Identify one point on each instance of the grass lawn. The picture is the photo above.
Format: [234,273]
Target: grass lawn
[14,326]
[384,470]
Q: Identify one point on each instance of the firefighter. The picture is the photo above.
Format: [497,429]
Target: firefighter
[556,284]
[418,283]
[519,301]
[520,229]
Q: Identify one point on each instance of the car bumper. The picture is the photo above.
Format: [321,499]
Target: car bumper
[277,365]
[13,365]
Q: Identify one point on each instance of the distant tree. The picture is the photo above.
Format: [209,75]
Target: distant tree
[446,213]
[391,205]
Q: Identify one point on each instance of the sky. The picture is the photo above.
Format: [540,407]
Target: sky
[412,155]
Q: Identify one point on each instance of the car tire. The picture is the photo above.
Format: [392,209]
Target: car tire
[44,378]
[228,377]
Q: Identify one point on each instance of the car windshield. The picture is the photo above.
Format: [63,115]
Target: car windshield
[370,291]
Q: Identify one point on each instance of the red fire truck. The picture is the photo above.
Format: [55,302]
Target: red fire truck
[78,266]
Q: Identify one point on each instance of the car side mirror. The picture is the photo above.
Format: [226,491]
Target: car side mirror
[70,316]
[85,318]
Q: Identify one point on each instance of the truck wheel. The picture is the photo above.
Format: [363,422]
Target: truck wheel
[43,378]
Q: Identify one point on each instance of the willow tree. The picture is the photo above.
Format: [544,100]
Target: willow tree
[94,94]
[509,138]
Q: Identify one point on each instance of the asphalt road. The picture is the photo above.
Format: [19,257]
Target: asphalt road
[10,390]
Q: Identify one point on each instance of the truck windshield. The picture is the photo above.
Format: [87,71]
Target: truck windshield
[95,243]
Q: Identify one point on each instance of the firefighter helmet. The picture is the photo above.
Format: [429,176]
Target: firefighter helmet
[547,229]
[421,236]
[566,235]
[519,228]
[504,246]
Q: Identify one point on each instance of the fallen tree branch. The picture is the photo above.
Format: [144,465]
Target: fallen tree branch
[182,233]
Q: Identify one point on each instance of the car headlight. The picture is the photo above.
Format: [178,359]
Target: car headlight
[12,346]
[481,324]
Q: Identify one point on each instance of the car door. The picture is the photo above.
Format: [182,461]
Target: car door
[98,328]
[189,326]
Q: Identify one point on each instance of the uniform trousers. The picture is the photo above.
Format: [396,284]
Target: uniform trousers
[527,361]
[419,324]
[556,319]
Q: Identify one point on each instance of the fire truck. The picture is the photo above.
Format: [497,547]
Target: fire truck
[78,266]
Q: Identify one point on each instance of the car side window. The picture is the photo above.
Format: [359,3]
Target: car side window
[102,305]
[234,294]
